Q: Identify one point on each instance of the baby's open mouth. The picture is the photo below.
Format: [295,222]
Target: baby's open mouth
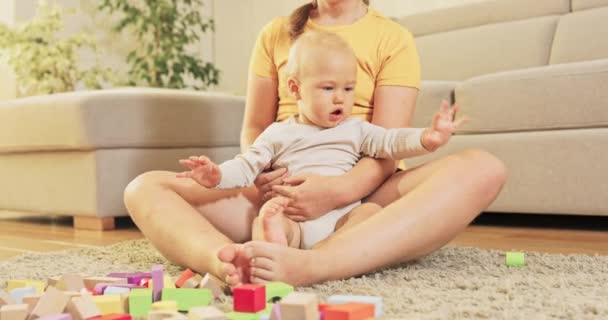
[337,112]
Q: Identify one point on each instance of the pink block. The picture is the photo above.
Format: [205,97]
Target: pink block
[158,283]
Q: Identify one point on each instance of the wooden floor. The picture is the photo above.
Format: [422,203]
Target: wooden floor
[24,233]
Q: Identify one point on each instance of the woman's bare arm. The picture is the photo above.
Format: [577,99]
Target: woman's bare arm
[260,108]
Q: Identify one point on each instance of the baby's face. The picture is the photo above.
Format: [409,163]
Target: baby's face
[327,88]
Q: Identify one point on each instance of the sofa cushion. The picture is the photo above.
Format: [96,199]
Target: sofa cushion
[456,55]
[120,118]
[581,36]
[477,14]
[429,99]
[552,97]
[588,4]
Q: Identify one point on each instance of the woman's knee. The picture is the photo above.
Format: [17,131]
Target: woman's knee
[140,188]
[490,169]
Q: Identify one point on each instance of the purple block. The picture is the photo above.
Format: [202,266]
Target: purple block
[276,312]
[101,287]
[132,277]
[158,283]
[63,316]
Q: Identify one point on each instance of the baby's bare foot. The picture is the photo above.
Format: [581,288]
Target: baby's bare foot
[235,265]
[274,262]
[271,214]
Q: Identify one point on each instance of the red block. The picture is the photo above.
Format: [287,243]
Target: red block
[349,311]
[112,316]
[187,274]
[249,298]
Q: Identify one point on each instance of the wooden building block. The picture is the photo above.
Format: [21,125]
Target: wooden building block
[192,282]
[299,305]
[61,316]
[165,315]
[157,282]
[52,302]
[187,298]
[112,316]
[91,282]
[349,311]
[277,290]
[375,300]
[14,312]
[5,298]
[249,298]
[166,305]
[31,300]
[217,286]
[22,283]
[17,294]
[72,282]
[206,313]
[242,316]
[109,304]
[82,308]
[101,287]
[140,302]
[187,274]
[132,277]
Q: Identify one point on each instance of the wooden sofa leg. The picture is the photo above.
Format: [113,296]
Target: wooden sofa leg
[94,223]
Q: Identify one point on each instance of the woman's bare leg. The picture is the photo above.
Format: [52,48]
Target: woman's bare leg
[165,210]
[434,202]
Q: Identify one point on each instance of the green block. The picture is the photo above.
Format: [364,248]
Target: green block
[277,290]
[187,298]
[140,302]
[242,316]
[515,259]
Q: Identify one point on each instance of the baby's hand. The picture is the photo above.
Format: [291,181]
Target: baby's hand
[443,127]
[202,170]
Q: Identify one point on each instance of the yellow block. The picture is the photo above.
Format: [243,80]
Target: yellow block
[167,282]
[165,305]
[109,304]
[21,283]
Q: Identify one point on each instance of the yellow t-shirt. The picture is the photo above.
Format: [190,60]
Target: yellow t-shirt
[386,56]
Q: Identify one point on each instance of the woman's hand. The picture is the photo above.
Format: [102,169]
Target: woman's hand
[443,127]
[311,196]
[265,180]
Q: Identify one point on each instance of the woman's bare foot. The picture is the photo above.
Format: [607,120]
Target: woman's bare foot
[235,265]
[271,214]
[274,262]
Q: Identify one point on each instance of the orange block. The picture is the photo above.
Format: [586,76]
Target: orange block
[187,274]
[349,311]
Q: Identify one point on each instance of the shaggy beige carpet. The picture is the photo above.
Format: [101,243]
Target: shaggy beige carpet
[453,283]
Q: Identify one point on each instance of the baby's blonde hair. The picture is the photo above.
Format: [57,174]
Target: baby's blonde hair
[315,40]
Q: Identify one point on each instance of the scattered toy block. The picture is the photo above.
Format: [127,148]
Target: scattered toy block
[5,298]
[109,304]
[72,282]
[349,311]
[299,305]
[82,308]
[14,312]
[167,282]
[249,298]
[275,314]
[21,283]
[276,290]
[242,316]
[31,300]
[112,316]
[166,315]
[17,294]
[214,284]
[157,282]
[91,282]
[62,316]
[193,282]
[140,302]
[132,277]
[187,298]
[166,305]
[116,290]
[52,302]
[375,300]
[187,274]
[515,259]
[101,287]
[206,313]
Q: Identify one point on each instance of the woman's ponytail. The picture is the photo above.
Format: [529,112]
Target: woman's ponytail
[299,17]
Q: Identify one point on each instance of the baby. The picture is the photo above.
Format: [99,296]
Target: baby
[321,139]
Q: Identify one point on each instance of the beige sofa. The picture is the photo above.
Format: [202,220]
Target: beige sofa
[532,75]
